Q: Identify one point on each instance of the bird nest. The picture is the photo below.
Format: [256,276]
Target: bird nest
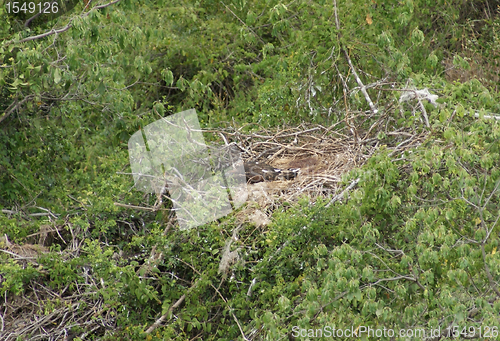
[321,155]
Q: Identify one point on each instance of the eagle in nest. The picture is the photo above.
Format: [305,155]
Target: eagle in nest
[259,171]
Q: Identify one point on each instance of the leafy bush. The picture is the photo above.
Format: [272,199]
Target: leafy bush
[414,245]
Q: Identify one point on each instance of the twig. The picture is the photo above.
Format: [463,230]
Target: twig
[135,207]
[19,257]
[31,214]
[162,318]
[488,273]
[14,106]
[46,34]
[262,41]
[222,297]
[424,113]
[341,195]
[351,66]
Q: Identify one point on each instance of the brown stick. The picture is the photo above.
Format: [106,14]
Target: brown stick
[164,316]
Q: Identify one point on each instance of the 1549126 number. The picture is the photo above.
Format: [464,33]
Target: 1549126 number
[472,332]
[27,14]
[14,7]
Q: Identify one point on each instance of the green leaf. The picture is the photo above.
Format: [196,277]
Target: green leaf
[168,77]
[101,88]
[417,37]
[57,76]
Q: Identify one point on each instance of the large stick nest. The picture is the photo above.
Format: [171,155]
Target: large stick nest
[322,155]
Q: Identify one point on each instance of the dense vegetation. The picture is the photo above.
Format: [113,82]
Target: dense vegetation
[414,246]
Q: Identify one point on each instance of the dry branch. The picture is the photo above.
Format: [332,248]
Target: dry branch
[351,66]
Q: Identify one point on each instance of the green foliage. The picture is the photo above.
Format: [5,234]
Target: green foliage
[415,244]
[421,233]
[16,276]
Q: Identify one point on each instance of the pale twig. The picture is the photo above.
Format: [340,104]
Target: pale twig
[135,207]
[351,66]
[222,297]
[244,24]
[13,106]
[162,318]
[341,195]
[492,282]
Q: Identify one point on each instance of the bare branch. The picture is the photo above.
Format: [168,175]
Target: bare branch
[14,105]
[341,195]
[262,41]
[358,80]
[488,273]
[159,321]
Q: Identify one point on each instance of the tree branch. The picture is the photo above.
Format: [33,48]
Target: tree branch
[14,105]
[358,80]
[164,316]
